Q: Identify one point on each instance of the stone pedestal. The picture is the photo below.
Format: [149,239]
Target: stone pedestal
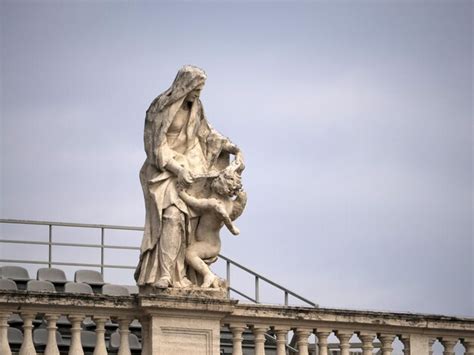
[183,323]
[419,345]
[188,292]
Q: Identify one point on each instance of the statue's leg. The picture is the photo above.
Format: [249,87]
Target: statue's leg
[171,240]
[194,257]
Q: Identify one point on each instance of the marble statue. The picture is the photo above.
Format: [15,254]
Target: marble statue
[191,188]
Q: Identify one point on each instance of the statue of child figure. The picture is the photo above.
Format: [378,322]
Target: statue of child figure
[217,210]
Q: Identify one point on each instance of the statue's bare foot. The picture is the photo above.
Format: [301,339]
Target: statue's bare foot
[186,283]
[162,283]
[215,283]
[209,280]
[234,230]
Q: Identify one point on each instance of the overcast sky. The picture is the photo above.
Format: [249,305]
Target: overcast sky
[355,119]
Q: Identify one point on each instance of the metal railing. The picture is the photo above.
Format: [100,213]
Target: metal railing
[102,246]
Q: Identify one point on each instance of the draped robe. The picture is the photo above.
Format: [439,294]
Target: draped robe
[198,148]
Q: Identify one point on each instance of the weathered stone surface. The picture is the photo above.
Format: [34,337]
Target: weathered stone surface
[196,318]
[188,292]
[190,187]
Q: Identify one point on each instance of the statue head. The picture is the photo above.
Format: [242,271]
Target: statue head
[227,183]
[188,84]
[194,95]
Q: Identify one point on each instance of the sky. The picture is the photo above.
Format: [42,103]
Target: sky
[355,120]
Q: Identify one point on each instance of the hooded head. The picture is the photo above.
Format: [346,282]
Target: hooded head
[188,79]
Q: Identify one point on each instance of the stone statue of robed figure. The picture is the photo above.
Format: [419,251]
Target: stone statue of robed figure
[191,182]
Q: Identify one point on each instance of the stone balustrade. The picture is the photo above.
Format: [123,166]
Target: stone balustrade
[416,332]
[174,324]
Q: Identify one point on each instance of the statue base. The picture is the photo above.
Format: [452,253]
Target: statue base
[185,292]
[181,321]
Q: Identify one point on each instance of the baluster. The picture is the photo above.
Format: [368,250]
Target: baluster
[367,342]
[76,345]
[100,348]
[4,346]
[344,336]
[237,330]
[52,345]
[124,323]
[27,347]
[406,344]
[387,340]
[281,339]
[259,335]
[322,335]
[449,343]
[302,335]
[469,345]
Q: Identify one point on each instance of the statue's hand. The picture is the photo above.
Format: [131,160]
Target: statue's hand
[231,147]
[185,178]
[239,159]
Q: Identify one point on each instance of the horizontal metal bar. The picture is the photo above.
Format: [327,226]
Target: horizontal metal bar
[243,295]
[23,242]
[68,244]
[66,264]
[130,228]
[64,224]
[24,261]
[268,281]
[106,246]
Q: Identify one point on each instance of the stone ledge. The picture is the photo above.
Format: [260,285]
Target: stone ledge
[357,318]
[191,292]
[191,303]
[70,299]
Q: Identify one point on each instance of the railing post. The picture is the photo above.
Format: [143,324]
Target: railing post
[124,348]
[237,330]
[449,343]
[27,348]
[344,336]
[469,345]
[50,246]
[4,346]
[323,335]
[100,347]
[302,335]
[281,336]
[367,340]
[228,277]
[286,298]
[76,347]
[386,340]
[102,238]
[259,338]
[257,293]
[52,345]
[406,344]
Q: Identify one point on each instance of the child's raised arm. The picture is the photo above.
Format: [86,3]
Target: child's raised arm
[197,203]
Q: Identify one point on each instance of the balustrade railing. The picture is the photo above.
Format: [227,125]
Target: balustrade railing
[312,327]
[360,332]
